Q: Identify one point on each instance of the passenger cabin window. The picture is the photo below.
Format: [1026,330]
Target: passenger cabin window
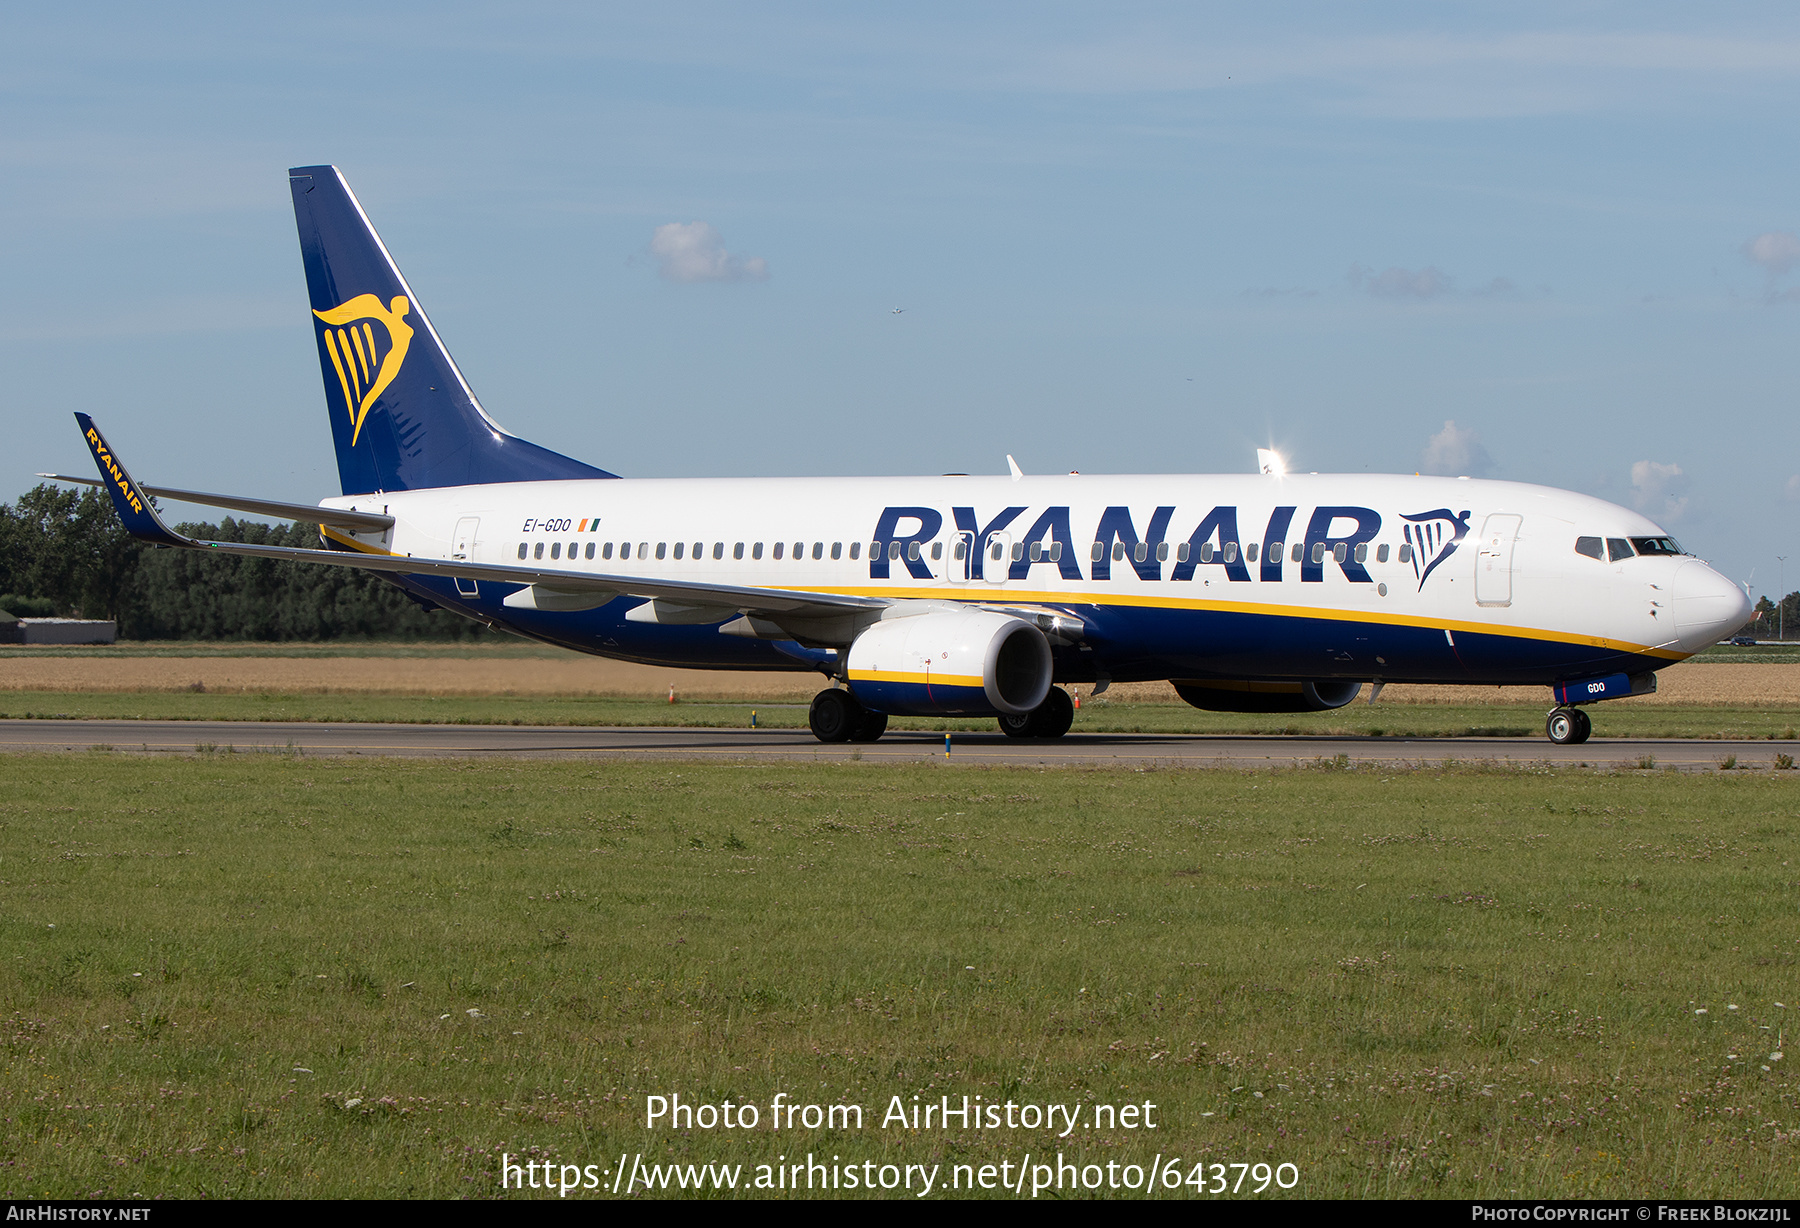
[718,550]
[737,551]
[1591,547]
[556,550]
[912,552]
[699,549]
[1381,553]
[644,550]
[679,547]
[799,550]
[538,551]
[1299,549]
[1362,552]
[1406,552]
[837,550]
[1339,552]
[855,550]
[779,547]
[589,552]
[662,549]
[937,551]
[1318,552]
[1657,545]
[1618,548]
[818,550]
[1181,552]
[959,553]
[1162,552]
[756,551]
[1250,552]
[1231,552]
[521,549]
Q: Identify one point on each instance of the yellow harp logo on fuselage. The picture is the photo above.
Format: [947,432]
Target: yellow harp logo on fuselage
[364,369]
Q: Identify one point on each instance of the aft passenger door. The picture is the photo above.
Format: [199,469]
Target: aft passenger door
[1493,559]
[462,546]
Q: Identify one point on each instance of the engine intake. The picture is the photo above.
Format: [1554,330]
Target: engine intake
[1267,696]
[951,663]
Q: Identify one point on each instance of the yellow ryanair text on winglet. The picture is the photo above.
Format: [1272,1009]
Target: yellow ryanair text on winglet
[112,467]
[362,369]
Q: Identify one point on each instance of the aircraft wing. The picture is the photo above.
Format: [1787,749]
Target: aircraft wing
[142,522]
[303,512]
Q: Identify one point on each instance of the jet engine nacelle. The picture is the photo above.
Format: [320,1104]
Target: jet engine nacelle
[1268,696]
[951,663]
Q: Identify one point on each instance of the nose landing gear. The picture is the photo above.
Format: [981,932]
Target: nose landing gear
[1568,726]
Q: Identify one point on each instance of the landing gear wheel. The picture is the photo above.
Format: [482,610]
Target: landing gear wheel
[1050,719]
[835,715]
[1567,726]
[1019,724]
[1055,714]
[870,727]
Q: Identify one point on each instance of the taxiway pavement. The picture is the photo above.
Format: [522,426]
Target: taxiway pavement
[974,746]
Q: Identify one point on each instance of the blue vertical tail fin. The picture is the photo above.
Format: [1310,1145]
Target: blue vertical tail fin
[402,416]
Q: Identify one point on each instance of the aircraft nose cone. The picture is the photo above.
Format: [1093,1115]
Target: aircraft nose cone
[1707,606]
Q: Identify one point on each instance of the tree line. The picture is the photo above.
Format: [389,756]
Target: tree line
[64,554]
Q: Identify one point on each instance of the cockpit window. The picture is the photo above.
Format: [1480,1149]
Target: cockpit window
[1657,545]
[1591,547]
[1618,548]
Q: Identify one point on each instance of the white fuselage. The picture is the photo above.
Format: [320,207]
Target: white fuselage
[1175,576]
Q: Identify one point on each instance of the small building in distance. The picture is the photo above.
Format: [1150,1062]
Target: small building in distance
[56,630]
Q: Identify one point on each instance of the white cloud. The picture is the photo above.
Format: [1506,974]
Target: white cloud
[1792,489]
[1659,490]
[1426,283]
[693,251]
[1777,251]
[1457,451]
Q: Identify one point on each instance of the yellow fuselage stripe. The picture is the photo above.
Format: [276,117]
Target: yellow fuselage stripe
[1009,596]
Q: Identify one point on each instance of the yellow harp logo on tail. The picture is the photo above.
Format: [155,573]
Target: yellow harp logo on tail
[364,367]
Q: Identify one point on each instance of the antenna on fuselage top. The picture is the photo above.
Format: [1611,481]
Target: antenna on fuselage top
[1269,461]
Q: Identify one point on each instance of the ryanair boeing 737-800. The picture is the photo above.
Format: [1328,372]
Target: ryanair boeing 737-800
[956,595]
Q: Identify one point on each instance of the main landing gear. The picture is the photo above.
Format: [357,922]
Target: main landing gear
[1568,726]
[1050,719]
[836,716]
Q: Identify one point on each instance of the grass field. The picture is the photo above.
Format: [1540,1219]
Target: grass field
[1730,693]
[267,975]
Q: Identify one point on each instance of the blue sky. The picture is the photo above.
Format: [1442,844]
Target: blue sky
[1550,243]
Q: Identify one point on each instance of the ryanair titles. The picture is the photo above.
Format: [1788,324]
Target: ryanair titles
[1008,545]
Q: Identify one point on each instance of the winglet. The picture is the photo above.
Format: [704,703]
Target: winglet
[133,506]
